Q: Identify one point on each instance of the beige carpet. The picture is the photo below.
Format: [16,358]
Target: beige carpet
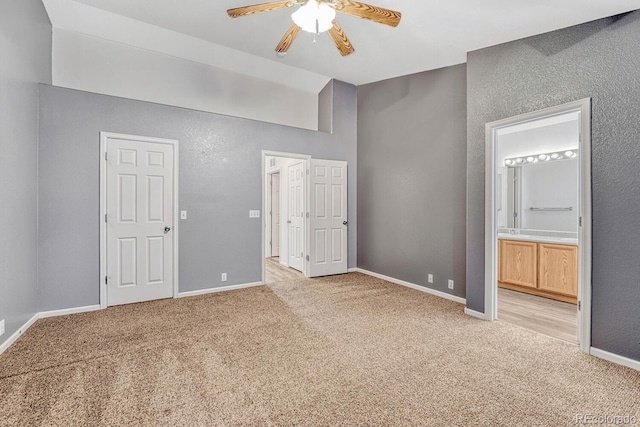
[345,350]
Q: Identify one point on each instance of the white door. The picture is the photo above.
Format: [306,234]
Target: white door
[275,214]
[328,224]
[139,230]
[295,222]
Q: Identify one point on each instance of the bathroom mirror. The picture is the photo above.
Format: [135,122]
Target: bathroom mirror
[539,191]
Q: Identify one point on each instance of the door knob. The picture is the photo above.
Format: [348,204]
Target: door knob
[167,229]
[345,222]
[288,222]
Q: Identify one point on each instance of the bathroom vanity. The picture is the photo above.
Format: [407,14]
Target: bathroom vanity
[539,263]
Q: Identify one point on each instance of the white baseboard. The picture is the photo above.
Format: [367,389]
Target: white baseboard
[220,289]
[412,286]
[5,345]
[474,313]
[67,311]
[615,358]
[352,270]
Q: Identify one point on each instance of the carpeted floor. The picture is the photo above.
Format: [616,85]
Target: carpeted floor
[342,350]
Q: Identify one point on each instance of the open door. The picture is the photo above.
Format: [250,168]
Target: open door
[295,214]
[328,218]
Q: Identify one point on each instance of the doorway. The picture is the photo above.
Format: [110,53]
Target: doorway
[538,221]
[311,230]
[273,233]
[138,206]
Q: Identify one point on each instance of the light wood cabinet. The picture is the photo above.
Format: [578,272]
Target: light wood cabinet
[558,268]
[544,269]
[519,263]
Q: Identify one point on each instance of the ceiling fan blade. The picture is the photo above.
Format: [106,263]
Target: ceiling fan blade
[340,39]
[259,8]
[288,39]
[372,13]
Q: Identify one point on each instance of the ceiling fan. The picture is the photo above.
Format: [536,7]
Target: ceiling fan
[318,16]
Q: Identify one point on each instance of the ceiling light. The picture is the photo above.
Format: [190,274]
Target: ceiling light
[314,17]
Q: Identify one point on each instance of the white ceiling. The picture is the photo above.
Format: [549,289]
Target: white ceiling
[432,34]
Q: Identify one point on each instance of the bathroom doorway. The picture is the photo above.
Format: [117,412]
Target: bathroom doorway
[538,206]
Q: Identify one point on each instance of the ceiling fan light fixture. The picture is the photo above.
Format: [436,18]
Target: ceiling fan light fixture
[314,17]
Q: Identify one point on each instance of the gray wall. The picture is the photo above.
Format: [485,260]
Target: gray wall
[25,59]
[600,60]
[411,177]
[219,183]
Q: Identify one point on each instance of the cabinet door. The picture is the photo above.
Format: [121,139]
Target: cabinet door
[558,270]
[518,263]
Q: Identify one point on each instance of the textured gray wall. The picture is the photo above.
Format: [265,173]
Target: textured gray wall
[219,183]
[411,177]
[600,60]
[25,59]
[325,108]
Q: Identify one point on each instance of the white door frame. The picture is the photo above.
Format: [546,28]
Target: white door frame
[104,136]
[305,158]
[269,206]
[582,106]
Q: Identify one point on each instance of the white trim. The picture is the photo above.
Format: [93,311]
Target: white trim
[412,286]
[104,137]
[269,208]
[216,290]
[474,313]
[584,232]
[305,158]
[17,334]
[67,311]
[614,358]
[583,107]
[353,270]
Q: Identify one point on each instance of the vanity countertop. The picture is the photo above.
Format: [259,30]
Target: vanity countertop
[539,238]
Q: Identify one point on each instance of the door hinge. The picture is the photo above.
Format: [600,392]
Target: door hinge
[106,280]
[270,244]
[307,214]
[105,217]
[307,171]
[105,155]
[580,221]
[307,257]
[579,305]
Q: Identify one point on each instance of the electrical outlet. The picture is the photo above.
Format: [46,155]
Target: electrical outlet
[224,277]
[430,278]
[183,214]
[450,284]
[2,327]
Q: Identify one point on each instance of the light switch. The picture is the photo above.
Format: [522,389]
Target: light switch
[183,214]
[254,214]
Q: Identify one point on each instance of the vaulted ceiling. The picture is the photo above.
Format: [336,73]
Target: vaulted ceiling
[432,34]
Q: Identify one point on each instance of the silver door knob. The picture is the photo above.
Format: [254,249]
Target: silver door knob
[167,229]
[345,222]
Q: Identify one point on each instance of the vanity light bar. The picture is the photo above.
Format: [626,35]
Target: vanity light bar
[543,157]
